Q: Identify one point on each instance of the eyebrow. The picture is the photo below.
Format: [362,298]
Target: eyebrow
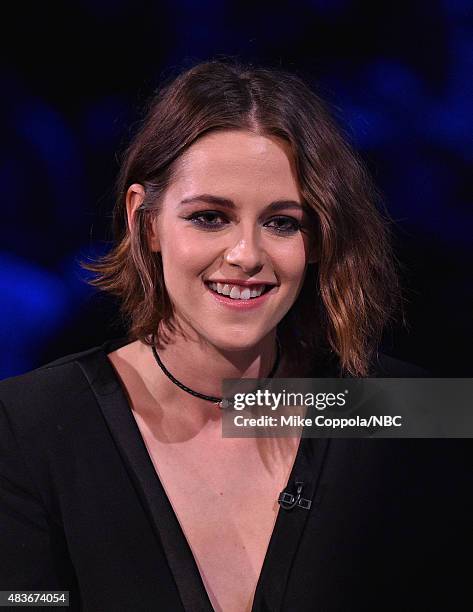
[226,203]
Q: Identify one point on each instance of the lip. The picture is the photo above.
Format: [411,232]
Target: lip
[242,283]
[249,304]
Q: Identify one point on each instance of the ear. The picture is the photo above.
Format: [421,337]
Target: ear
[134,198]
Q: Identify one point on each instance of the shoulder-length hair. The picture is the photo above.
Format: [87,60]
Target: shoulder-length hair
[350,293]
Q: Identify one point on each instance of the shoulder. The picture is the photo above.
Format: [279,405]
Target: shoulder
[44,382]
[385,366]
[54,389]
[381,366]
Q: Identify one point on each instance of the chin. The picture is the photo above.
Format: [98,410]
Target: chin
[238,342]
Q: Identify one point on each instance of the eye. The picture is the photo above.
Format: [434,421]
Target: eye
[214,220]
[208,219]
[284,225]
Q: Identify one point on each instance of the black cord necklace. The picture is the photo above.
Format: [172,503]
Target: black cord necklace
[209,398]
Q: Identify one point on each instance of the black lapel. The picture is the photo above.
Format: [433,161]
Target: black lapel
[290,526]
[116,410]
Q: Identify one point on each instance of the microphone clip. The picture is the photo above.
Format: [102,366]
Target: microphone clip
[288,501]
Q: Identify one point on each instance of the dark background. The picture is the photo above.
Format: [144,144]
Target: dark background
[75,76]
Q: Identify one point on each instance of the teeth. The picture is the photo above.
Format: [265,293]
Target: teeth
[237,292]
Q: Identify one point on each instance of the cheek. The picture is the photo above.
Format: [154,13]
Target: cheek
[184,257]
[291,263]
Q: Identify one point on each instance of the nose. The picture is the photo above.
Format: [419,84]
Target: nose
[246,253]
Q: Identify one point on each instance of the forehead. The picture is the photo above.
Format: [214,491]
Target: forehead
[237,164]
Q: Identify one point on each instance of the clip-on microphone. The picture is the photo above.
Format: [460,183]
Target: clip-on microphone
[288,501]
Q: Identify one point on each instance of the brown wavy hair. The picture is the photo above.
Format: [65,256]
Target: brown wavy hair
[348,296]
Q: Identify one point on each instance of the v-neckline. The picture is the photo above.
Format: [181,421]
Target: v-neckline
[288,527]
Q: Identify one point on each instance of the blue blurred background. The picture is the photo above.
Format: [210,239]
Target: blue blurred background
[75,75]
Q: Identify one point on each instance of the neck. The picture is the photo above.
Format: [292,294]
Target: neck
[202,367]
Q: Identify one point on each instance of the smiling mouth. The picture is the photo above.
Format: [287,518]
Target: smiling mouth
[238,292]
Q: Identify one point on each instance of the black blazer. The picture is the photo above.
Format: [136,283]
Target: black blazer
[82,509]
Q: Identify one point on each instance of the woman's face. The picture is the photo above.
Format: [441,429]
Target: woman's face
[233,215]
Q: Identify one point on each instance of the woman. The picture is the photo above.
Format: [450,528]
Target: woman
[248,245]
